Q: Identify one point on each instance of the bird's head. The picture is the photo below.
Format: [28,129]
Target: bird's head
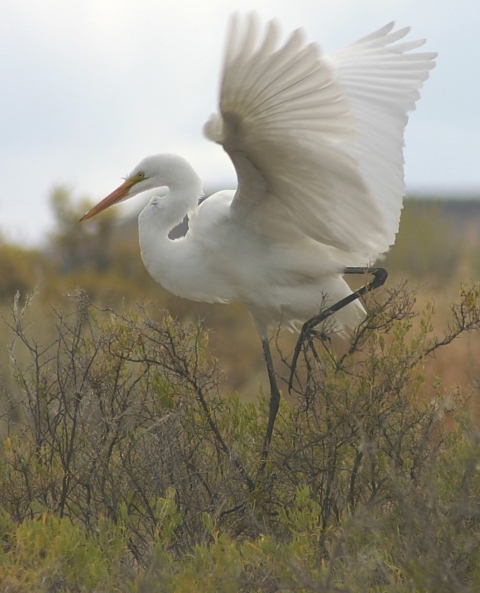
[152,172]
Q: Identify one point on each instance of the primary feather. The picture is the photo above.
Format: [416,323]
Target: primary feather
[317,140]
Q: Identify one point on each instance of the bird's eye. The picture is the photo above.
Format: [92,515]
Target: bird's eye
[140,175]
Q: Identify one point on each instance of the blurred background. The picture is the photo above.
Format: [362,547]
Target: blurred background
[89,88]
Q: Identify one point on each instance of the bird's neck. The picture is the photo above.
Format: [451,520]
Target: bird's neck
[164,213]
[169,211]
[158,218]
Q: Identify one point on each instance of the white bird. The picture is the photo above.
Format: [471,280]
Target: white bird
[317,144]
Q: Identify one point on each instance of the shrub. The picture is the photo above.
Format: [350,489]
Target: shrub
[119,448]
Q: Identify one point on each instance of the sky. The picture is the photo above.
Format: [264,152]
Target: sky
[90,87]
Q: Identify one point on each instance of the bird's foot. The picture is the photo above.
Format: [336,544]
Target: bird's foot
[306,333]
[306,341]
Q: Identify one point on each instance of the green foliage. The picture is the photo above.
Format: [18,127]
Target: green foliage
[52,554]
[77,246]
[20,270]
[124,469]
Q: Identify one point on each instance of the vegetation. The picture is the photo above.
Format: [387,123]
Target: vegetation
[129,464]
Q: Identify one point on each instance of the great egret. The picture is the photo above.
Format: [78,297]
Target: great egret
[317,146]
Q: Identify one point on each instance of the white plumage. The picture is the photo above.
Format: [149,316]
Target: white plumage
[317,143]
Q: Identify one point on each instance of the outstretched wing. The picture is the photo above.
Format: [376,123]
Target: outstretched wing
[381,79]
[287,123]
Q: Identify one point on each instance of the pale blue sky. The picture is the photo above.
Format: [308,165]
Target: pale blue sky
[90,87]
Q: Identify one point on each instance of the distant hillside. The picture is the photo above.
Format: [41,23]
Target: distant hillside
[460,216]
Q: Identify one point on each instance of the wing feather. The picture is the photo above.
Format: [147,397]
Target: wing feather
[297,126]
[381,79]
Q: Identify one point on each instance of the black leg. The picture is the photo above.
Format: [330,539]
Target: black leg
[379,277]
[274,401]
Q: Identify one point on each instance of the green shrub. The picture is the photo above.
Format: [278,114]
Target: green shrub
[121,456]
